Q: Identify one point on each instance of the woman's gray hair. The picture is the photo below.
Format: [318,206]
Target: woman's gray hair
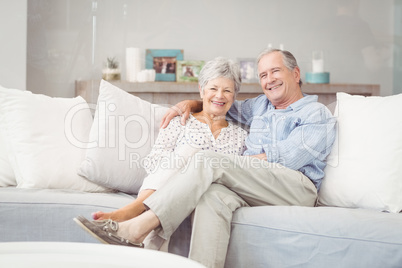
[220,67]
[288,59]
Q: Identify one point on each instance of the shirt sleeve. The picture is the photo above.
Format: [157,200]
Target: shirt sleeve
[311,140]
[242,140]
[244,134]
[165,144]
[241,111]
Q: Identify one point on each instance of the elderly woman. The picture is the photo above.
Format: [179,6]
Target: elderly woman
[219,82]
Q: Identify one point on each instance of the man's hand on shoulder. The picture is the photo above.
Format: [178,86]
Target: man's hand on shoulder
[183,109]
[169,115]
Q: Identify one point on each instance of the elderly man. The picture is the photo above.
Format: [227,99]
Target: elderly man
[290,136]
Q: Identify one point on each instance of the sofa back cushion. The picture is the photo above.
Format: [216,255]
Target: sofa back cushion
[7,177]
[45,139]
[364,168]
[122,134]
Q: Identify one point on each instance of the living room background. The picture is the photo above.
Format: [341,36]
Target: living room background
[68,40]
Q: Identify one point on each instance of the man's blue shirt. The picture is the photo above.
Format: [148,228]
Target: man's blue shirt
[299,137]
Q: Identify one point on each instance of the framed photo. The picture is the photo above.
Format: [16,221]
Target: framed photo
[248,70]
[163,61]
[188,71]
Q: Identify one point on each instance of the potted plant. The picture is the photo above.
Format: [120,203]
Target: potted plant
[111,71]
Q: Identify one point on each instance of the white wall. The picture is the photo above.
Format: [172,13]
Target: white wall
[358,46]
[398,47]
[13,43]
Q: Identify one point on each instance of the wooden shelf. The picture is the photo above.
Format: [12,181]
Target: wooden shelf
[353,89]
[173,92]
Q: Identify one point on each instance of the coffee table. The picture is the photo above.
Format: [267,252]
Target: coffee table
[77,255]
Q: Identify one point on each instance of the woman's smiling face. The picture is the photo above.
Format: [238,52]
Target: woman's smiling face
[218,96]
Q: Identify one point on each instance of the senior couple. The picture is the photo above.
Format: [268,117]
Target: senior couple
[279,162]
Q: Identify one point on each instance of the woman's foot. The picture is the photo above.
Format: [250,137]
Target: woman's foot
[127,212]
[122,214]
[100,215]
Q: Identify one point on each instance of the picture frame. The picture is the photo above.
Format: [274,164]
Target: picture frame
[248,70]
[163,61]
[188,71]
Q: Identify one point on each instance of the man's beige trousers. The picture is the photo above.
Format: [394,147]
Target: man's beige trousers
[214,186]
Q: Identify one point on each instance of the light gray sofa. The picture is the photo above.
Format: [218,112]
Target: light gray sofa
[261,236]
[347,229]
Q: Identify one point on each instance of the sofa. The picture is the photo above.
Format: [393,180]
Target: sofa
[63,157]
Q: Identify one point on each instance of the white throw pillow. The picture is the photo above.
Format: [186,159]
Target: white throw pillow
[7,177]
[364,169]
[124,129]
[46,139]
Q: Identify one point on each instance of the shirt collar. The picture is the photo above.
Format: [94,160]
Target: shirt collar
[302,102]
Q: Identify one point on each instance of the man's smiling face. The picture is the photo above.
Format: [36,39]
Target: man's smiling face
[280,85]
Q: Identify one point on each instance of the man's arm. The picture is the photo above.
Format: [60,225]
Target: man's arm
[183,108]
[310,141]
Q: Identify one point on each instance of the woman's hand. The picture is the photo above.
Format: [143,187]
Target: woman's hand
[183,109]
[262,156]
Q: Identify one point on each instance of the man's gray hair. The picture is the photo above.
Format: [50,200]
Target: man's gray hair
[220,67]
[288,59]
